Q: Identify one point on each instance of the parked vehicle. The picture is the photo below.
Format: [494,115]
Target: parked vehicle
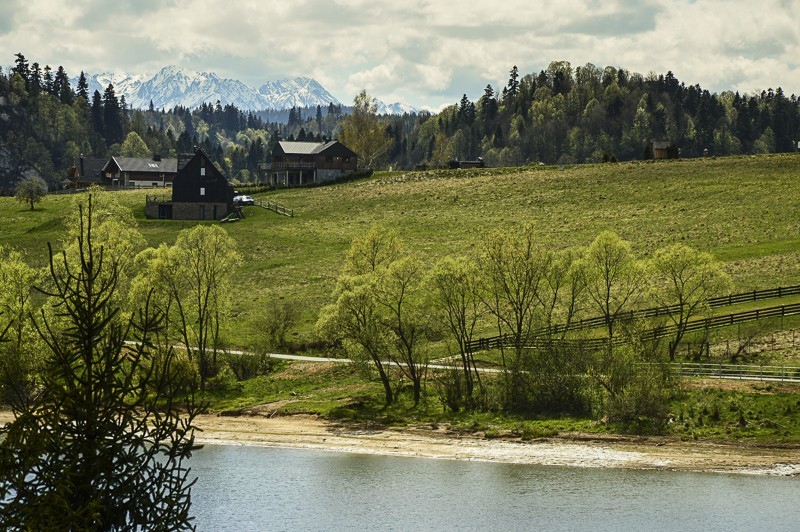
[243,200]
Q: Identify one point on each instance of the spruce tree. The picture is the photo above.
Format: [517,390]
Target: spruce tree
[103,445]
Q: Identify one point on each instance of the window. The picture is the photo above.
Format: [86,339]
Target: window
[202,171]
[202,212]
[202,191]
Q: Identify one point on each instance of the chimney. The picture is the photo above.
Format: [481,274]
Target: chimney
[156,157]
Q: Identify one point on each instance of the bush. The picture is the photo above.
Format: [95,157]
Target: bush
[245,366]
[280,316]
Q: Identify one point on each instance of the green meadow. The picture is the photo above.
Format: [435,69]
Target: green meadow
[744,210]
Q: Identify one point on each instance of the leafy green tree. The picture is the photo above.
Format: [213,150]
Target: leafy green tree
[686,278]
[614,278]
[454,286]
[364,133]
[398,291]
[134,146]
[19,349]
[30,190]
[514,265]
[191,285]
[103,445]
[353,322]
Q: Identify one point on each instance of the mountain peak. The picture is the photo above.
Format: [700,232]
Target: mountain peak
[174,86]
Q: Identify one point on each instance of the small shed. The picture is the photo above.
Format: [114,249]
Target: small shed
[664,150]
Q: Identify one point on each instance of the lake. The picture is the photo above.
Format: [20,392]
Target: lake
[247,488]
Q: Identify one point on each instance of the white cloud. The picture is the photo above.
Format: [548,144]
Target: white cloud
[424,52]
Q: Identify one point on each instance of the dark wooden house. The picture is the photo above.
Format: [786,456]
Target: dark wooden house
[300,163]
[140,172]
[85,172]
[199,192]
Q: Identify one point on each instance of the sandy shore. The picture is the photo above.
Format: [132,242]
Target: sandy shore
[572,450]
[308,432]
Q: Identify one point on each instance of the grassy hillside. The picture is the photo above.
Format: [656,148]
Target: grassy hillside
[742,209]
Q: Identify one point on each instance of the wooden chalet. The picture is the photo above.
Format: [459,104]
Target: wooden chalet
[140,172]
[199,192]
[300,163]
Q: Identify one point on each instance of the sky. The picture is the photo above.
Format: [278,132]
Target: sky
[426,53]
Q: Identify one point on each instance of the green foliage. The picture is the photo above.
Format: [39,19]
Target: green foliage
[189,283]
[134,146]
[20,350]
[102,445]
[30,190]
[364,133]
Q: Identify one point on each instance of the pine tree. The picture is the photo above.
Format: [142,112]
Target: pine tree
[103,445]
[82,90]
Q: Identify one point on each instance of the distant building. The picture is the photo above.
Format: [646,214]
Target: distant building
[140,172]
[86,172]
[455,163]
[199,192]
[300,163]
[662,150]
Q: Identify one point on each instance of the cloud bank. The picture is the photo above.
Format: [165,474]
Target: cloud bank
[422,52]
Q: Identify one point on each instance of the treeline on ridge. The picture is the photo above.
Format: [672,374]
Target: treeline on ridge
[561,115]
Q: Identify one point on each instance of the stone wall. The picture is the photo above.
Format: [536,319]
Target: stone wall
[188,211]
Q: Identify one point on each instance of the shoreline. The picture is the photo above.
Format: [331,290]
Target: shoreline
[569,450]
[603,451]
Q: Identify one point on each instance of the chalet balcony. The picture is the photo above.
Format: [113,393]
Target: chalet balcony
[291,165]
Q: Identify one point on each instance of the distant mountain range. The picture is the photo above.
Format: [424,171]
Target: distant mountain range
[174,86]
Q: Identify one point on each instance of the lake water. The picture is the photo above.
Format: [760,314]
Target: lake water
[256,488]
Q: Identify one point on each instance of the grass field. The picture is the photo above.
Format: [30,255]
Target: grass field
[742,209]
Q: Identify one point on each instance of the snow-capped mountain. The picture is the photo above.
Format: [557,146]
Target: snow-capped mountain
[174,86]
[297,92]
[396,108]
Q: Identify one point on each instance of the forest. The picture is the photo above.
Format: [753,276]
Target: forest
[562,115]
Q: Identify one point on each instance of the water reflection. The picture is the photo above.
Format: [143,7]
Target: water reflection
[252,488]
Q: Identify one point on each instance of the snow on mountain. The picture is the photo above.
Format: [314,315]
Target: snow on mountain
[174,86]
[297,92]
[396,108]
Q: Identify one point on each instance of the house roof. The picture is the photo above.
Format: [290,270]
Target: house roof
[290,147]
[91,169]
[144,165]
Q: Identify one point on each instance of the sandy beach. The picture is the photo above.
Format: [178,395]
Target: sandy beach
[575,450]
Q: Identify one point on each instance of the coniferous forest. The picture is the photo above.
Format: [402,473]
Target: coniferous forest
[561,115]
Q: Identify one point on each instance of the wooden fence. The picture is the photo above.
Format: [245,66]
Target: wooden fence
[738,372]
[714,302]
[276,207]
[536,341]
